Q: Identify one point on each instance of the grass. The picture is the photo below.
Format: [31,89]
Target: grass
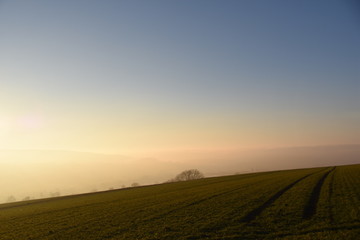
[317,203]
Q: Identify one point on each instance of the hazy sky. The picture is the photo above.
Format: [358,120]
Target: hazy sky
[144,76]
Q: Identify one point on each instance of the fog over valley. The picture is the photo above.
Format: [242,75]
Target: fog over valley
[46,173]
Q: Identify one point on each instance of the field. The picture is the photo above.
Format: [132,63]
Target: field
[317,203]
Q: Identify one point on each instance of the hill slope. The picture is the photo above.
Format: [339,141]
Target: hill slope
[317,203]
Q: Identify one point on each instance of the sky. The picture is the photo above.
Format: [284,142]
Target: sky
[147,77]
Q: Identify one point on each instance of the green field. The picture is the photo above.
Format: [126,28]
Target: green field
[317,203]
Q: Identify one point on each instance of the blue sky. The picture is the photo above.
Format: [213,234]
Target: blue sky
[232,68]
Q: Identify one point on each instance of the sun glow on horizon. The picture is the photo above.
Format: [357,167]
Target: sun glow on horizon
[21,122]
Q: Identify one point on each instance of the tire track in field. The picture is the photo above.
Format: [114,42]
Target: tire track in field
[331,193]
[257,211]
[310,208]
[207,198]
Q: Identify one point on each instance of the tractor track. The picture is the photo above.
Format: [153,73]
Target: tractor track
[310,208]
[257,211]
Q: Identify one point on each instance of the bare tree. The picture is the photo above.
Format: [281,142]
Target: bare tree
[187,175]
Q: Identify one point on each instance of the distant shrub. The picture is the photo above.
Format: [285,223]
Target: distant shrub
[26,198]
[55,194]
[135,184]
[11,199]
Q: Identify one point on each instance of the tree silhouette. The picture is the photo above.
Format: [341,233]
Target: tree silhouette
[187,175]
